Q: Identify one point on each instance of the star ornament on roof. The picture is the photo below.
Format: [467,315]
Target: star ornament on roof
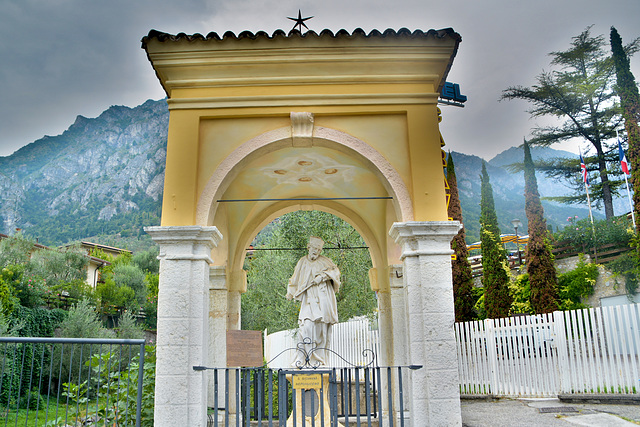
[299,21]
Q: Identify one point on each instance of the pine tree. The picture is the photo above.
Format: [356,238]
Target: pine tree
[630,101]
[495,279]
[460,267]
[542,273]
[580,92]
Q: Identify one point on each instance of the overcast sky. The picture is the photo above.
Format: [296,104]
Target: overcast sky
[63,58]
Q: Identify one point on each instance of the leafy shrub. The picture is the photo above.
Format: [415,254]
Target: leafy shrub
[131,276]
[628,266]
[520,291]
[81,322]
[577,284]
[117,394]
[579,234]
[128,327]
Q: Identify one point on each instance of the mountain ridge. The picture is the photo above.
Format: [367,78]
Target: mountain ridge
[104,176]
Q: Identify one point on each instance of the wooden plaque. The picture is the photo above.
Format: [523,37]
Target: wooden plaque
[244,348]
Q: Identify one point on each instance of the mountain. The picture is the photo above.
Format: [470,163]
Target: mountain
[508,191]
[101,176]
[102,180]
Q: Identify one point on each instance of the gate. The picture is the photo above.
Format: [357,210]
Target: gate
[309,395]
[261,396]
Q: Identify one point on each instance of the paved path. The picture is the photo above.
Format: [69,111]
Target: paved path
[527,412]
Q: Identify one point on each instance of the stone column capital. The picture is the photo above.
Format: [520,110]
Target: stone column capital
[424,237]
[190,242]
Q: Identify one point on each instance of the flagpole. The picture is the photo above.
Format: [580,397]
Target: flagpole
[633,217]
[623,159]
[586,187]
[585,178]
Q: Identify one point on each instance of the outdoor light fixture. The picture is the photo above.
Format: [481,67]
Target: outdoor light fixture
[516,224]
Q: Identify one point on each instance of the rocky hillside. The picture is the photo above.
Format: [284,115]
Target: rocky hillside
[508,191]
[101,176]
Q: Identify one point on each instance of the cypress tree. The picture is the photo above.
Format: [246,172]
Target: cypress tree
[460,267]
[542,273]
[630,101]
[495,279]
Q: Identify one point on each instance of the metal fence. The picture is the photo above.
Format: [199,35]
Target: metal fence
[309,397]
[595,350]
[71,381]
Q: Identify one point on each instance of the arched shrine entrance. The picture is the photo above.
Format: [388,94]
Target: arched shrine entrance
[263,125]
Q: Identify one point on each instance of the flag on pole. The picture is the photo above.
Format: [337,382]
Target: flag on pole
[583,169]
[623,159]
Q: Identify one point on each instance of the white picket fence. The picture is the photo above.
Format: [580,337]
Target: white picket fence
[353,343]
[595,350]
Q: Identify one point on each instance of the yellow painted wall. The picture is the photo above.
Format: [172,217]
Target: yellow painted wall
[225,95]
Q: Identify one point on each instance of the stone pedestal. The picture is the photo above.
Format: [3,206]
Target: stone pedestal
[317,411]
[183,312]
[426,254]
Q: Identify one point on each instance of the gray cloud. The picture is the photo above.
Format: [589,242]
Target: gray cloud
[69,57]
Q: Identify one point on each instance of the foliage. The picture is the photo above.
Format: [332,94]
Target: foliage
[8,298]
[130,275]
[37,274]
[461,269]
[25,361]
[264,304]
[520,290]
[38,321]
[580,93]
[147,260]
[151,305]
[495,278]
[81,322]
[627,90]
[579,233]
[30,290]
[59,266]
[15,250]
[118,388]
[542,272]
[128,327]
[124,283]
[577,284]
[628,266]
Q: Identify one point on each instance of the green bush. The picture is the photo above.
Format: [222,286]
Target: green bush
[118,388]
[128,327]
[577,284]
[520,291]
[579,233]
[81,322]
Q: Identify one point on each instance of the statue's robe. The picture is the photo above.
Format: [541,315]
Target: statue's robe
[318,302]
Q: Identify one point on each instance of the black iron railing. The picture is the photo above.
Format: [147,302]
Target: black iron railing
[70,381]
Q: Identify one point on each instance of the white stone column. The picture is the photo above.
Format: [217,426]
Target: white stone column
[426,255]
[218,307]
[183,325]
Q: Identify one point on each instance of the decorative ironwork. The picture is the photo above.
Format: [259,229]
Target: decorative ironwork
[305,362]
[299,21]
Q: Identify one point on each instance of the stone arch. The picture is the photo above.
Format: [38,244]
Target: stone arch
[281,138]
[278,209]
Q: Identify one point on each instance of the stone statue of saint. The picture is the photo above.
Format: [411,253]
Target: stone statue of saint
[314,283]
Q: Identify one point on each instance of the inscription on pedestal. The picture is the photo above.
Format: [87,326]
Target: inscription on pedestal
[307,381]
